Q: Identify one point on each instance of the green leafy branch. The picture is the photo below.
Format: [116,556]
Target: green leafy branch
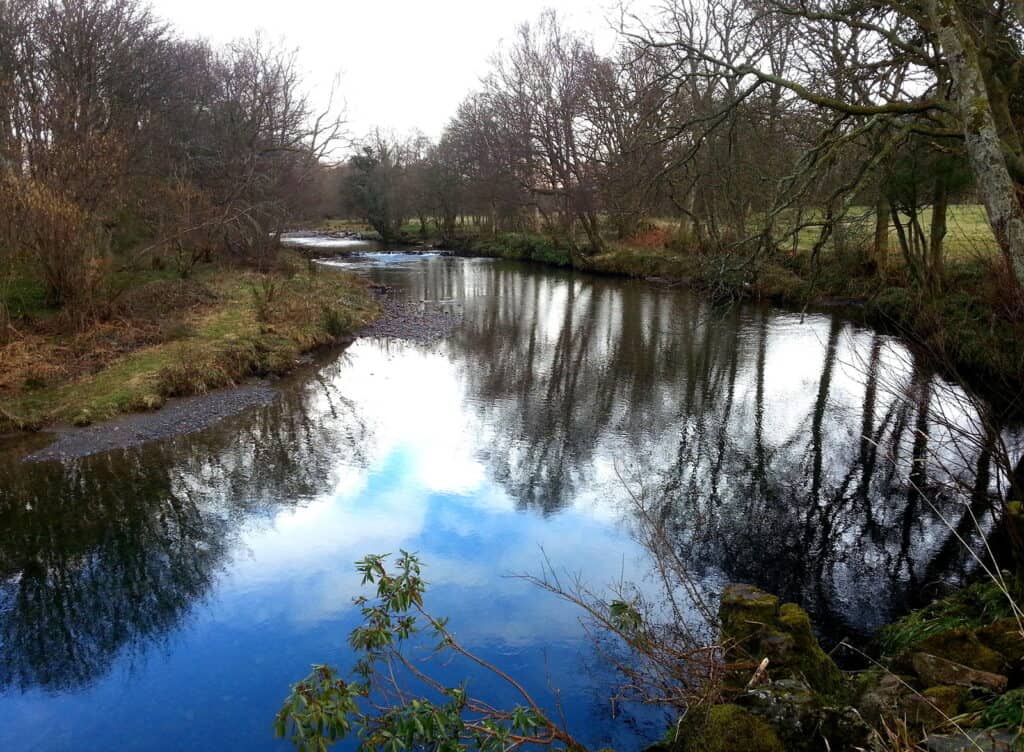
[385,714]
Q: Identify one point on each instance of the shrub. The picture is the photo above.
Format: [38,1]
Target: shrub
[264,294]
[60,240]
[336,323]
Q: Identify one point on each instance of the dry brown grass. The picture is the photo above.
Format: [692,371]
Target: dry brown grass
[173,338]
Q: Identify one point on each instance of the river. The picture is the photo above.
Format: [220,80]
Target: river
[164,597]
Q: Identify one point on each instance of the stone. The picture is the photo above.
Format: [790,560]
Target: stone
[755,626]
[893,697]
[745,609]
[962,646]
[882,700]
[809,659]
[972,741]
[947,699]
[727,728]
[1004,636]
[934,671]
[802,721]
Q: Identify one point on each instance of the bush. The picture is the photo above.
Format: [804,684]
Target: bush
[60,241]
[197,371]
[336,323]
[264,293]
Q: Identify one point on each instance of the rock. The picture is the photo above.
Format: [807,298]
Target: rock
[972,741]
[922,711]
[745,609]
[802,721]
[934,671]
[893,697]
[727,728]
[809,659]
[882,700]
[755,626]
[1004,637]
[946,699]
[962,646]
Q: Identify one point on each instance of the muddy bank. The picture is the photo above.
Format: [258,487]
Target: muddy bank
[423,322]
[177,418]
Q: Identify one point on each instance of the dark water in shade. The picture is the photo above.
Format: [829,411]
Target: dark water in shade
[163,598]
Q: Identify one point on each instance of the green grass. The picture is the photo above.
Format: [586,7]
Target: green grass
[24,295]
[973,606]
[1006,712]
[222,344]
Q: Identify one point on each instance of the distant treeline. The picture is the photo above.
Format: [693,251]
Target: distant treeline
[118,134]
[759,125]
[755,126]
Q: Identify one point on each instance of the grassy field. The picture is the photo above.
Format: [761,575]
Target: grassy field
[968,233]
[169,337]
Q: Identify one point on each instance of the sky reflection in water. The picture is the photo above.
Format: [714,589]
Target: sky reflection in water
[165,597]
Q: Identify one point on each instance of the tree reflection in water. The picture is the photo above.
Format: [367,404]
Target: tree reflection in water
[110,553]
[789,453]
[776,450]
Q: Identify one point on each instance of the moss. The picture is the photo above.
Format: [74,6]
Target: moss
[809,659]
[744,610]
[755,624]
[1004,637]
[962,646]
[729,728]
[947,700]
[975,606]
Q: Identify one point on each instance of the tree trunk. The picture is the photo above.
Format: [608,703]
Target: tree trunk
[880,250]
[984,149]
[937,234]
[593,232]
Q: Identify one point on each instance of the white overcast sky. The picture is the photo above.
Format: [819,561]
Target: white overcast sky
[403,64]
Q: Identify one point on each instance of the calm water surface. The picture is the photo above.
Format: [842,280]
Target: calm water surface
[164,597]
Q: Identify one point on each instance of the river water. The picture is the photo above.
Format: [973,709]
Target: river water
[164,597]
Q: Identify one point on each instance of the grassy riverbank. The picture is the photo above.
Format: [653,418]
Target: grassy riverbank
[165,337]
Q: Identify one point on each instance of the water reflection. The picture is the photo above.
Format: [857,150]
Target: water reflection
[160,587]
[804,454]
[108,554]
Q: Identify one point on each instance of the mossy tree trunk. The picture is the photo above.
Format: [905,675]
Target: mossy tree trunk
[981,136]
[937,234]
[880,249]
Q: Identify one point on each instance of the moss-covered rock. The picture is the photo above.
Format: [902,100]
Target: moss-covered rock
[803,720]
[755,626]
[727,728]
[809,659]
[935,671]
[947,699]
[970,608]
[745,610]
[880,695]
[1004,637]
[889,696]
[962,646]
